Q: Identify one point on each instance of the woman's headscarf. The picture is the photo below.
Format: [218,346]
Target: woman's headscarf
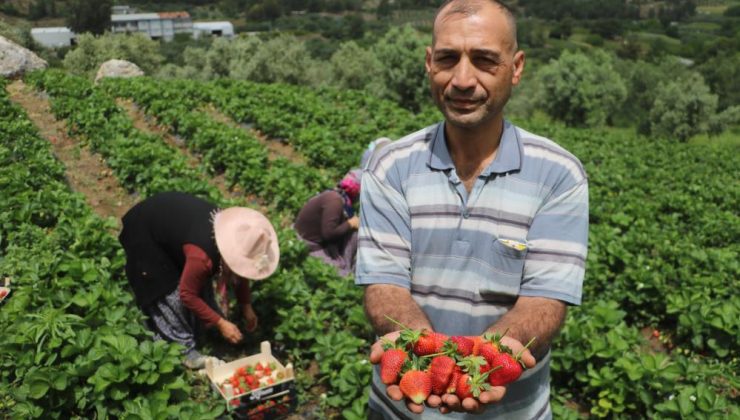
[349,188]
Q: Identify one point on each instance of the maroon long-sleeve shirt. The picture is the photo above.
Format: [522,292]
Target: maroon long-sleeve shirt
[195,276]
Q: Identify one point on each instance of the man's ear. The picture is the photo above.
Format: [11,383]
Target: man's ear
[428,60]
[518,67]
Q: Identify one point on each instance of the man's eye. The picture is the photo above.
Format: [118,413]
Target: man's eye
[486,62]
[446,59]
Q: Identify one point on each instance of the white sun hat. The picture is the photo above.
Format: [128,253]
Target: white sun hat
[247,242]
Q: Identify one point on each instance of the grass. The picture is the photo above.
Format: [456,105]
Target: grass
[730,137]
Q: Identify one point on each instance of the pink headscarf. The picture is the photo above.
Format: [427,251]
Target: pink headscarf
[351,184]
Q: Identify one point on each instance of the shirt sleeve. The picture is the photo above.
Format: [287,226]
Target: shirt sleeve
[243,291]
[333,224]
[384,245]
[558,241]
[195,275]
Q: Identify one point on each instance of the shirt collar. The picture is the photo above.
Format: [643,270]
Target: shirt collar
[508,158]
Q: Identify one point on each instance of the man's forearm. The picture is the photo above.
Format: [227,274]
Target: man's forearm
[383,300]
[533,317]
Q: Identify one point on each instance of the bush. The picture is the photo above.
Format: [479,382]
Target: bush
[92,51]
[684,108]
[643,78]
[722,74]
[732,11]
[402,52]
[356,68]
[580,89]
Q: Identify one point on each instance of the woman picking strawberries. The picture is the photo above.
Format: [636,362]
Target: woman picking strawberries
[177,248]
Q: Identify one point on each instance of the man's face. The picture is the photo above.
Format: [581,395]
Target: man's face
[473,65]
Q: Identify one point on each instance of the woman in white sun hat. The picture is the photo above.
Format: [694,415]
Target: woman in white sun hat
[179,248]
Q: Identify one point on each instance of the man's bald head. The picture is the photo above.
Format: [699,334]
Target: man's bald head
[472,7]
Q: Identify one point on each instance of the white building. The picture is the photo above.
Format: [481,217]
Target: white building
[54,37]
[224,29]
[162,25]
[157,25]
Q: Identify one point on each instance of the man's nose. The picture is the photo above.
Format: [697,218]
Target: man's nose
[464,75]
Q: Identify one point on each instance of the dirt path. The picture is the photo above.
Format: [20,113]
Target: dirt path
[86,172]
[275,148]
[147,124]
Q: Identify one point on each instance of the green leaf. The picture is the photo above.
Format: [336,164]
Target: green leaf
[37,389]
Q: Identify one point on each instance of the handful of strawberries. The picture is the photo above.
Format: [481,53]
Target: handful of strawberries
[425,362]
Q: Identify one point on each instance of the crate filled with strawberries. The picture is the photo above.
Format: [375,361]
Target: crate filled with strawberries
[4,291]
[255,387]
[424,363]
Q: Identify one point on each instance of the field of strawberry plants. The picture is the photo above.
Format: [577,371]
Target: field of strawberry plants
[657,336]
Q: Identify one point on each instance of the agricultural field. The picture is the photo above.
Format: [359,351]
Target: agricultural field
[657,335]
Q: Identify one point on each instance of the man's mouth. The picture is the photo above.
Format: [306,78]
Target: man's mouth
[463,103]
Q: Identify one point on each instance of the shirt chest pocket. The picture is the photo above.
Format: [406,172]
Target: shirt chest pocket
[506,259]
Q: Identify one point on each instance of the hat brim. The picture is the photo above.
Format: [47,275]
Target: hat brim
[226,222]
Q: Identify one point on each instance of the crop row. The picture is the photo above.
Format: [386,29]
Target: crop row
[661,259]
[329,127]
[313,313]
[71,346]
[223,148]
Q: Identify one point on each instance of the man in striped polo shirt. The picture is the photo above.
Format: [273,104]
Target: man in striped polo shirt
[473,224]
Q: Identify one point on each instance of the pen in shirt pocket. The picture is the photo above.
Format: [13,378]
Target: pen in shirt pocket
[519,246]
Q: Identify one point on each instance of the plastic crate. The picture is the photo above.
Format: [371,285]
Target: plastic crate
[274,408]
[4,293]
[280,396]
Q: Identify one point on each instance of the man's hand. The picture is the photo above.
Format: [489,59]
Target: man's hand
[229,331]
[446,403]
[450,402]
[250,317]
[393,391]
[354,222]
[516,346]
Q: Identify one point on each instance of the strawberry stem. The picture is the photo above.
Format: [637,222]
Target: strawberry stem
[397,323]
[519,353]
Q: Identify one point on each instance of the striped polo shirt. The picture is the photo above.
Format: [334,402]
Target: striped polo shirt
[522,231]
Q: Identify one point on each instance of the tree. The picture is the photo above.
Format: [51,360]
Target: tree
[242,64]
[685,107]
[92,51]
[581,89]
[384,9]
[642,79]
[89,16]
[284,59]
[722,74]
[401,50]
[357,68]
[40,9]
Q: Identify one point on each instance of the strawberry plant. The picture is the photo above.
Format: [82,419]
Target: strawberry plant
[71,346]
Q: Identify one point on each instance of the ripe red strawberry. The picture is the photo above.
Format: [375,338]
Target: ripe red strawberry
[472,381]
[508,368]
[464,388]
[470,386]
[452,386]
[511,369]
[488,351]
[391,363]
[416,385]
[441,370]
[429,342]
[477,341]
[464,345]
